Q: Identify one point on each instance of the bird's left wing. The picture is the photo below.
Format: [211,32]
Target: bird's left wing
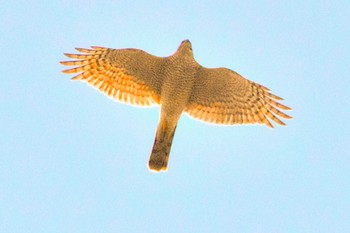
[221,96]
[126,75]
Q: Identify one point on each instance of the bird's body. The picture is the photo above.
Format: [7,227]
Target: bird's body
[179,84]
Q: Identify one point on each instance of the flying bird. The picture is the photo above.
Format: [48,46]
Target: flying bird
[178,84]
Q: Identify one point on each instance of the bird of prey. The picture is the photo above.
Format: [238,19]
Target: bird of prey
[178,84]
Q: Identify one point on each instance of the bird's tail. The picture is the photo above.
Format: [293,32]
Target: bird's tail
[158,160]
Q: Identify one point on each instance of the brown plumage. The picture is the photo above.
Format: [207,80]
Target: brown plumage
[179,84]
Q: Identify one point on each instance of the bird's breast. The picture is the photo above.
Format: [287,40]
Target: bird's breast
[177,87]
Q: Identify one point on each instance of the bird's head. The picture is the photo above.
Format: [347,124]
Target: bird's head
[185,47]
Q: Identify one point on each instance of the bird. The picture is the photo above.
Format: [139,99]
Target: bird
[178,84]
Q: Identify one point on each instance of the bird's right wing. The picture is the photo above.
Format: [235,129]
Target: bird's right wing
[221,96]
[126,75]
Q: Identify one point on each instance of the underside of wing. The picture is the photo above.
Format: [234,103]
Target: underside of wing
[221,96]
[116,77]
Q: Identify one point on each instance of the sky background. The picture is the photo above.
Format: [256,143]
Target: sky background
[72,160]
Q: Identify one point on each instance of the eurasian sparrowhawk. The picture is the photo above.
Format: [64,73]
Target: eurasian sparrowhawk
[178,84]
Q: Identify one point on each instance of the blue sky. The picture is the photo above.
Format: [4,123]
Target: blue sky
[72,160]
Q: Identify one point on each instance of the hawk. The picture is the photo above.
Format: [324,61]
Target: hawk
[178,84]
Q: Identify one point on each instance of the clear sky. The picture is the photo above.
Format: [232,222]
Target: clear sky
[72,160]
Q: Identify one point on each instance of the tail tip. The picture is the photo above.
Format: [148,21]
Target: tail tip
[157,166]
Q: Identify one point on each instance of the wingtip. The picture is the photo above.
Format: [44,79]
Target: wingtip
[95,47]
[82,50]
[75,78]
[270,125]
[70,55]
[72,70]
[66,71]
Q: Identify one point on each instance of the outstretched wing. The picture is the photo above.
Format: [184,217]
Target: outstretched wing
[126,75]
[221,96]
